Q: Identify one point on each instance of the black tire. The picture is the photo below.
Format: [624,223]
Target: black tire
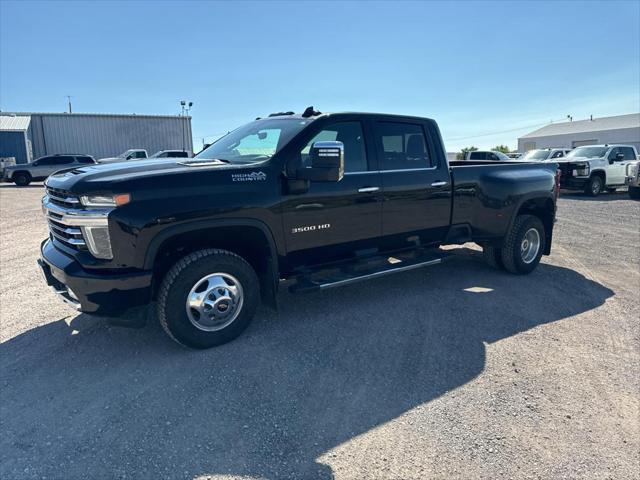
[594,186]
[493,256]
[21,179]
[634,192]
[512,254]
[185,275]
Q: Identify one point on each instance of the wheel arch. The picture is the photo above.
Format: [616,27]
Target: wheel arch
[543,207]
[251,239]
[600,173]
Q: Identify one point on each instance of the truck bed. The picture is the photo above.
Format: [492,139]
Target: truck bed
[487,193]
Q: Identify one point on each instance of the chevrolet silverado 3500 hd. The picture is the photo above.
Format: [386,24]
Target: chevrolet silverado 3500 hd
[319,200]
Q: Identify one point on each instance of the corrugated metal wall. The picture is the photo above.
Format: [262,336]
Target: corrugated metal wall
[107,135]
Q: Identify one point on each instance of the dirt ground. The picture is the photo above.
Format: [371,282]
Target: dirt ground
[453,371]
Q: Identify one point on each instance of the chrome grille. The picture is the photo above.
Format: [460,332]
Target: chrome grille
[63,198]
[59,230]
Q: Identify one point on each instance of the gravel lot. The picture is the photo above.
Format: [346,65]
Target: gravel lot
[417,375]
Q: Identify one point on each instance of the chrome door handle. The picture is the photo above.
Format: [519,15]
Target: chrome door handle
[439,184]
[368,189]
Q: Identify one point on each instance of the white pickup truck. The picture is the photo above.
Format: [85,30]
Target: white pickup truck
[132,154]
[594,168]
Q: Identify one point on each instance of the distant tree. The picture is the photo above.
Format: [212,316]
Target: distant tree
[460,156]
[501,148]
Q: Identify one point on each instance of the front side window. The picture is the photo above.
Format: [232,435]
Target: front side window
[43,162]
[558,154]
[350,134]
[254,142]
[628,152]
[84,160]
[403,146]
[63,160]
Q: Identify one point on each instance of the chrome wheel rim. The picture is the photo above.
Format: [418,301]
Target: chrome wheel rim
[530,245]
[214,302]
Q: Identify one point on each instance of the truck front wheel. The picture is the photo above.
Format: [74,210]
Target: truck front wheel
[524,245]
[594,186]
[21,179]
[208,298]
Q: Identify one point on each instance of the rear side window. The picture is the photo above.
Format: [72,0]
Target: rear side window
[478,156]
[403,146]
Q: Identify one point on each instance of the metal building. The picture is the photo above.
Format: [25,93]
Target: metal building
[96,134]
[594,131]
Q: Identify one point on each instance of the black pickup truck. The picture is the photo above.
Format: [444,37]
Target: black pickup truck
[315,200]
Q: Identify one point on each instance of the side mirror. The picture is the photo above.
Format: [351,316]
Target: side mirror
[327,163]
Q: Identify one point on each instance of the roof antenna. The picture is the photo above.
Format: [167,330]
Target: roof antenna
[310,112]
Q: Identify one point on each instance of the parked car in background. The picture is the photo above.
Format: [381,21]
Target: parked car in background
[633,180]
[171,154]
[296,197]
[594,168]
[513,155]
[25,173]
[486,155]
[6,162]
[543,154]
[131,154]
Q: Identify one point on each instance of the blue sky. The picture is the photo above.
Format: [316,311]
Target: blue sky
[476,67]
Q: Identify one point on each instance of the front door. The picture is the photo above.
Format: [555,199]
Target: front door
[335,214]
[617,171]
[416,186]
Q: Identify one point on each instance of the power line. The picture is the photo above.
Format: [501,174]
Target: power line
[504,131]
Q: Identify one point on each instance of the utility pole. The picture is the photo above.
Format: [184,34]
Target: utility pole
[69,100]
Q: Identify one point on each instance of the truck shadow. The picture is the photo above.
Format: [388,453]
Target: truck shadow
[82,399]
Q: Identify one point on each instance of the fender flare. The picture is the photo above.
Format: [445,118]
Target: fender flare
[171,231]
[534,196]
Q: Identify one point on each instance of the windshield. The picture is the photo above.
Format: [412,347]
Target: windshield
[254,142]
[538,155]
[502,156]
[124,154]
[157,154]
[588,152]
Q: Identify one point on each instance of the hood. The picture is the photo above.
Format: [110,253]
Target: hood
[146,173]
[575,159]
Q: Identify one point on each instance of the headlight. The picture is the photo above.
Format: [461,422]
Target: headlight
[581,170]
[105,200]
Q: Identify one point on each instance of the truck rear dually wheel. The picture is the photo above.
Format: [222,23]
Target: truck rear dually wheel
[208,298]
[524,245]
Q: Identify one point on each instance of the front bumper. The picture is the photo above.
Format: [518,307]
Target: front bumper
[103,293]
[573,182]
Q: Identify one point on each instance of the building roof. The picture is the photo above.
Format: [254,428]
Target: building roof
[14,123]
[580,126]
[65,114]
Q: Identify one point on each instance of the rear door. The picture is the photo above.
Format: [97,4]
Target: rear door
[330,214]
[415,180]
